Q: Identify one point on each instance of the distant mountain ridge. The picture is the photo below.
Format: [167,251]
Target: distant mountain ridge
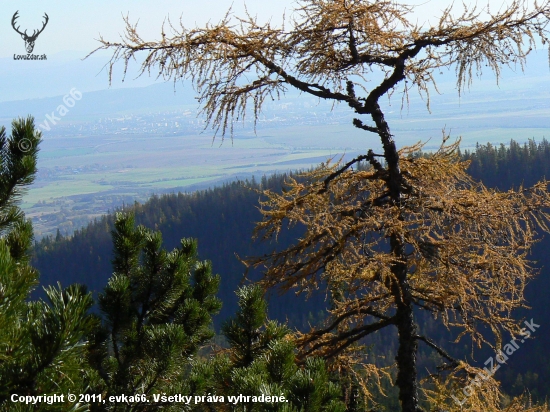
[26,80]
[162,96]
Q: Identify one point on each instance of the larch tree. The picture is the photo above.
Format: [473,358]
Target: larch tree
[408,232]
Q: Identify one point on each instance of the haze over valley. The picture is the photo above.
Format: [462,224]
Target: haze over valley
[123,144]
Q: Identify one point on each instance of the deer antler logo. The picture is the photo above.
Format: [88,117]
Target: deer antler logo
[29,40]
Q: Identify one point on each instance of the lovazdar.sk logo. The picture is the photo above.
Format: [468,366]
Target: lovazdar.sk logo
[29,39]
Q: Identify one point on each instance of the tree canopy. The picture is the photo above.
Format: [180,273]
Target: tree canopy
[41,341]
[157,310]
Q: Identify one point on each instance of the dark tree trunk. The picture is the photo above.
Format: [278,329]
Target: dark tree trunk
[406,359]
[406,355]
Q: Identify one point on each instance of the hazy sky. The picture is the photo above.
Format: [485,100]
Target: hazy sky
[73,28]
[74,25]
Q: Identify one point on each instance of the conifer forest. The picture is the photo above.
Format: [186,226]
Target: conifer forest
[404,278]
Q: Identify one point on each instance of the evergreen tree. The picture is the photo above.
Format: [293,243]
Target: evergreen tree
[157,310]
[261,361]
[41,342]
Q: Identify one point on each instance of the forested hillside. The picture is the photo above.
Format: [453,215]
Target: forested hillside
[223,219]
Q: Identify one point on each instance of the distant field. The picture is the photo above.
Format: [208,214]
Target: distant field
[83,174]
[96,174]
